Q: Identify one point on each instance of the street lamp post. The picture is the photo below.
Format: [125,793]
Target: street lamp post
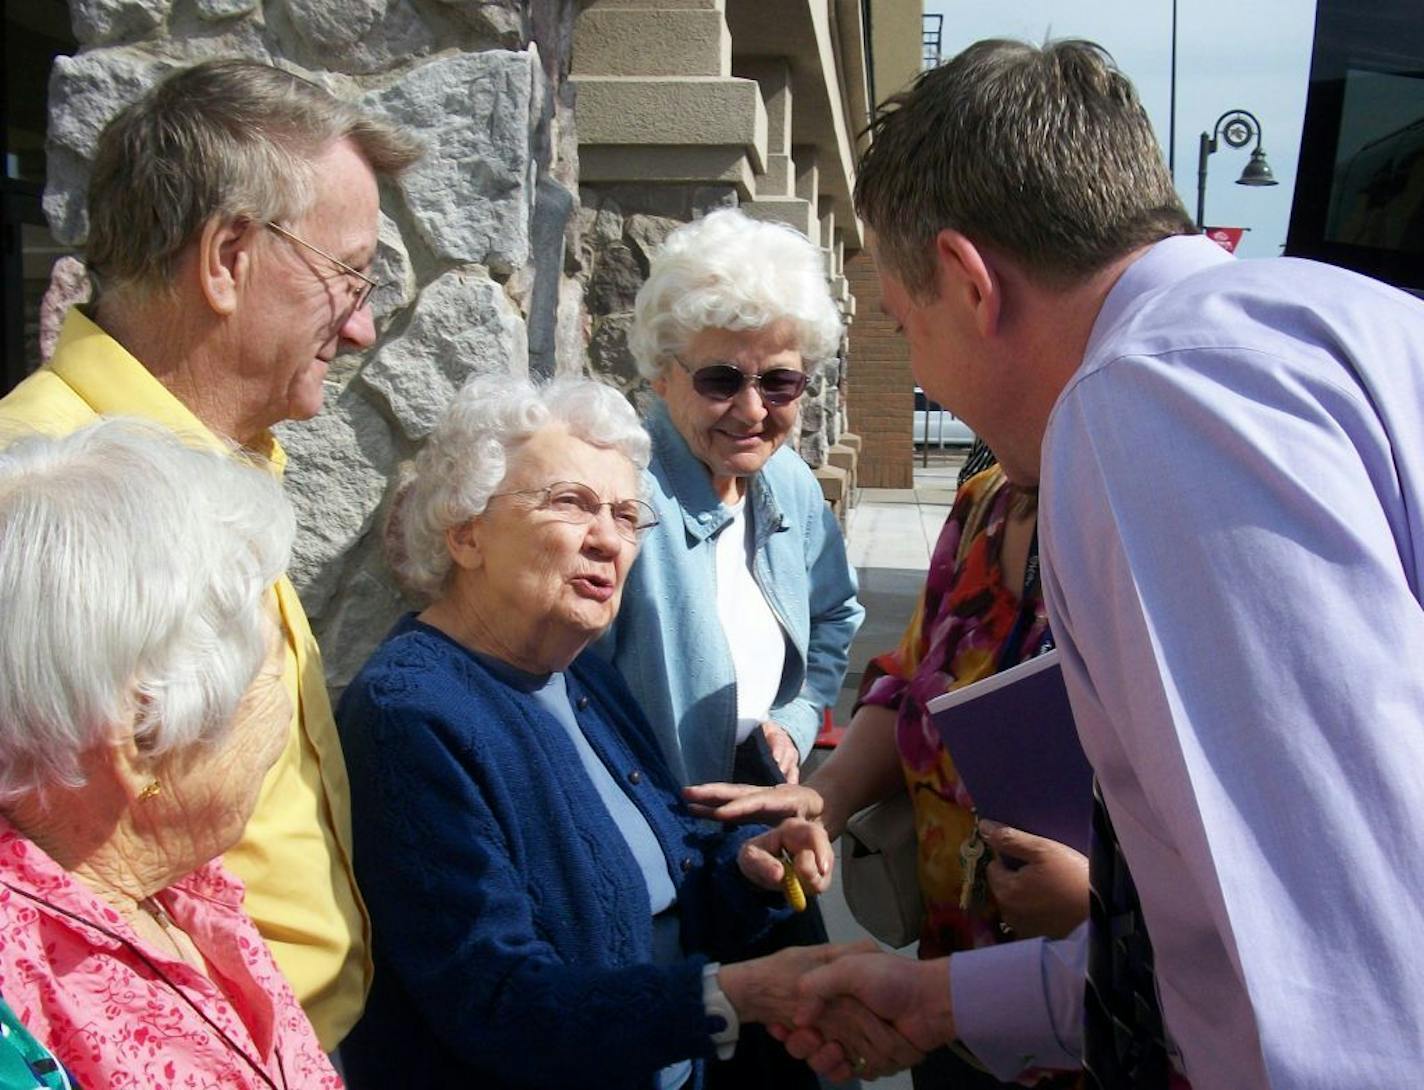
[1236,127]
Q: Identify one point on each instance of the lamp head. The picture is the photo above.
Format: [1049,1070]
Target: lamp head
[1258,171]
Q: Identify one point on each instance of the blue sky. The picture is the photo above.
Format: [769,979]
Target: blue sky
[1247,54]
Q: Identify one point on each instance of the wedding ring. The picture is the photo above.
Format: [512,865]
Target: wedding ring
[859,1064]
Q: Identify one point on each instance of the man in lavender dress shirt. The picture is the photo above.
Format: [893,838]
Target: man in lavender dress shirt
[1231,458]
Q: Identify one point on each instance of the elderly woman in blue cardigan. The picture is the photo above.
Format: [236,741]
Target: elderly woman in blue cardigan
[543,906]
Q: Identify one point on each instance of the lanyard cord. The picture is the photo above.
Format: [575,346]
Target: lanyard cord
[232,1045]
[1013,646]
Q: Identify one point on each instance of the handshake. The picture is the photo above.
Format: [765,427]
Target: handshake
[849,1010]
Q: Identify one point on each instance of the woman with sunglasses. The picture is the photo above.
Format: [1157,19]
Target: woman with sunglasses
[738,616]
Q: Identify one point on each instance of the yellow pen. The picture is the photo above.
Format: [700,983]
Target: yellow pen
[791,885]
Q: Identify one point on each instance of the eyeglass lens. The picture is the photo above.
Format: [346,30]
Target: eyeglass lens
[580,503]
[722,382]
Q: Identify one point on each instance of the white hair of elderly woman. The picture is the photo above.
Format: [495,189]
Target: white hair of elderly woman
[466,458]
[728,271]
[133,574]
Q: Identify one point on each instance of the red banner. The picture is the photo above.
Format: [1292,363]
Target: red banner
[1228,238]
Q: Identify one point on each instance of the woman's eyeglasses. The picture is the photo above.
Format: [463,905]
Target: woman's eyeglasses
[569,501]
[722,382]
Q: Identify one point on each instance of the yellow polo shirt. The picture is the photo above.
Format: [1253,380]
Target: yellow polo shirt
[295,855]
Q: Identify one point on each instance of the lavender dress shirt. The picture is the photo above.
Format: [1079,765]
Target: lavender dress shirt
[1232,522]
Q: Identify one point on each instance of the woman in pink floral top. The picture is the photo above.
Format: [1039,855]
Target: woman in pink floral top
[141,705]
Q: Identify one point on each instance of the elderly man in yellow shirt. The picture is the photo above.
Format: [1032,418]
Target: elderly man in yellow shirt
[233,213]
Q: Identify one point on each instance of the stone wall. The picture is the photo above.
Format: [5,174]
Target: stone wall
[473,240]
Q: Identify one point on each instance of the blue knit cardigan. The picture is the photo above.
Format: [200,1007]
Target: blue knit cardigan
[511,924]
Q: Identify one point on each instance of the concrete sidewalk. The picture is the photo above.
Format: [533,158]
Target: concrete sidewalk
[889,535]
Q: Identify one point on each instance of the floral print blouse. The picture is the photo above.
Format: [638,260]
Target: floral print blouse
[958,635]
[120,1013]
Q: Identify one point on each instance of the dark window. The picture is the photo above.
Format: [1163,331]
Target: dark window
[35,32]
[1359,197]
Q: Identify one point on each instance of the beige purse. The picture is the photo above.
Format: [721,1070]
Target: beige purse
[879,871]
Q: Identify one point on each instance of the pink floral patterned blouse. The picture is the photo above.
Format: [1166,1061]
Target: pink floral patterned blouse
[120,1013]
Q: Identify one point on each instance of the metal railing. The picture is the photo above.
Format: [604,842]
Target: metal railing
[931,35]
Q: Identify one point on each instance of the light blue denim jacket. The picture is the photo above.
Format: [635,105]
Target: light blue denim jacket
[668,641]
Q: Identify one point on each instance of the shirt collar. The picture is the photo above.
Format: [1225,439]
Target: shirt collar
[1164,264]
[703,512]
[111,381]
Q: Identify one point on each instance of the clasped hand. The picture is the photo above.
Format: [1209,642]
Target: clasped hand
[837,1034]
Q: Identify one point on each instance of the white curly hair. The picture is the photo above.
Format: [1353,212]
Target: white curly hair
[728,271]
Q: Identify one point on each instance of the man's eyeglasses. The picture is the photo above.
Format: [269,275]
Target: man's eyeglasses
[569,501]
[722,382]
[364,286]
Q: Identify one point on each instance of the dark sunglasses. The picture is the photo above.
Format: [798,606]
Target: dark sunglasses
[722,382]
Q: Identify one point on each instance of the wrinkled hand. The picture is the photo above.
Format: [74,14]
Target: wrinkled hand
[766,989]
[742,802]
[912,996]
[849,1041]
[811,856]
[783,751]
[1048,895]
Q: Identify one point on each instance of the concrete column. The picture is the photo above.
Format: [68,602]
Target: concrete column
[808,176]
[656,101]
[776,197]
[773,76]
[667,38]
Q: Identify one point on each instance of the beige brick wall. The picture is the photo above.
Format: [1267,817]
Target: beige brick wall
[880,388]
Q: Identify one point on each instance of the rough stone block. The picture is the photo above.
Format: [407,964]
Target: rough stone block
[472,195]
[646,235]
[503,22]
[213,10]
[571,331]
[356,621]
[68,284]
[463,325]
[96,21]
[361,35]
[615,281]
[337,468]
[85,91]
[393,272]
[608,354]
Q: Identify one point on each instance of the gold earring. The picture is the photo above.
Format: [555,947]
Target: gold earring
[152,791]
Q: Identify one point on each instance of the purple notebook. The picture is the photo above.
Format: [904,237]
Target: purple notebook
[1014,744]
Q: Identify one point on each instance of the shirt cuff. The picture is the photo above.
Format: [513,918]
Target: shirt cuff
[802,722]
[1019,1005]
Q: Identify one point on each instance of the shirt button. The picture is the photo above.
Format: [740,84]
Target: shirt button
[581,703]
[635,777]
[687,865]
